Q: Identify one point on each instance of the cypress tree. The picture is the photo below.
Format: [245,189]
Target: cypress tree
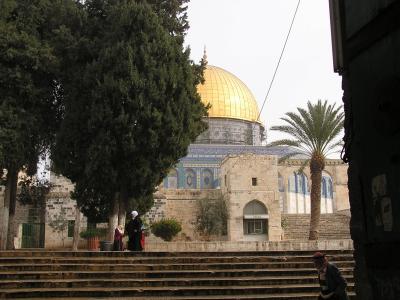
[28,95]
[131,110]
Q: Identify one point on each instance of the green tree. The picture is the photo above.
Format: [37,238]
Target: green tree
[212,216]
[59,223]
[314,131]
[28,94]
[131,109]
[173,16]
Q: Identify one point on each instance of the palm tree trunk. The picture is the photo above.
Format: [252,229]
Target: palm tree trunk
[316,166]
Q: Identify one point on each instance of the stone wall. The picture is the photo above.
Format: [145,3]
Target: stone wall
[24,214]
[334,167]
[181,205]
[371,101]
[60,198]
[237,176]
[345,244]
[331,226]
[55,203]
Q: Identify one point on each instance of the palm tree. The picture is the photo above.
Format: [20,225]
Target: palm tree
[314,131]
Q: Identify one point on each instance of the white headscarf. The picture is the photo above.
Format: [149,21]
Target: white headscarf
[134,214]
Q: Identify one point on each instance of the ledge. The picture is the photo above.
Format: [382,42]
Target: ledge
[345,244]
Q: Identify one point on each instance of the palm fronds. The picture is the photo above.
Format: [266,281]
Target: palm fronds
[313,130]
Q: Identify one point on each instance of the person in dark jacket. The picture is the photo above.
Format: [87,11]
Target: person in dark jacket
[333,285]
[134,232]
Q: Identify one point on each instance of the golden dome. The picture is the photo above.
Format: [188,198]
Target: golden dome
[228,95]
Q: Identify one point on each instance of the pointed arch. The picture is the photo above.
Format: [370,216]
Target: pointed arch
[190,179]
[299,194]
[207,179]
[172,179]
[326,193]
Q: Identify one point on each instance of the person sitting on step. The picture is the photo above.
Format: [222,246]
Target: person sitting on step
[333,285]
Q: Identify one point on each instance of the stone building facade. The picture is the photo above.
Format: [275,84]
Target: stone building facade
[228,161]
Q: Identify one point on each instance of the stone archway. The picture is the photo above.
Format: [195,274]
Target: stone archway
[255,221]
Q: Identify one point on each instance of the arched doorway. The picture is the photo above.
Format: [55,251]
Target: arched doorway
[172,179]
[255,221]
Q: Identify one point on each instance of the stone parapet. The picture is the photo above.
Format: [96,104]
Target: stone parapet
[345,244]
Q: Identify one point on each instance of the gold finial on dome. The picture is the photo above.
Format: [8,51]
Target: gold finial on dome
[205,56]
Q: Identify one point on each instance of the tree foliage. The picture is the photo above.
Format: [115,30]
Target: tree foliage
[212,216]
[33,191]
[131,107]
[28,68]
[59,223]
[173,16]
[117,78]
[314,133]
[29,101]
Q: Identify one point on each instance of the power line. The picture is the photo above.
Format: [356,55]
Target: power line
[276,70]
[280,58]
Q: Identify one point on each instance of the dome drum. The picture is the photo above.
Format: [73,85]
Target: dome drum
[231,131]
[233,117]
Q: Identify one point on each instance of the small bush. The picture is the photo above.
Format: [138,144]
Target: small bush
[166,229]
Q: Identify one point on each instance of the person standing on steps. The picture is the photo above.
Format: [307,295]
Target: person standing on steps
[118,234]
[134,232]
[333,285]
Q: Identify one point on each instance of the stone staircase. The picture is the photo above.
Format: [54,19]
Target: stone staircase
[332,226]
[164,275]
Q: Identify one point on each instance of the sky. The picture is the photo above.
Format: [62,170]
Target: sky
[245,37]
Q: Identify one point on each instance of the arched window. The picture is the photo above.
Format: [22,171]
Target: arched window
[281,189]
[255,218]
[190,179]
[207,179]
[172,179]
[323,188]
[292,183]
[330,188]
[298,200]
[326,194]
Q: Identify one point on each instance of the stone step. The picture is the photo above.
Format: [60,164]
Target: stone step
[184,259]
[160,291]
[79,274]
[104,254]
[157,282]
[162,266]
[287,296]
[332,226]
[164,275]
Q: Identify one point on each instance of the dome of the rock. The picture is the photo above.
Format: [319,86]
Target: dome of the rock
[228,96]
